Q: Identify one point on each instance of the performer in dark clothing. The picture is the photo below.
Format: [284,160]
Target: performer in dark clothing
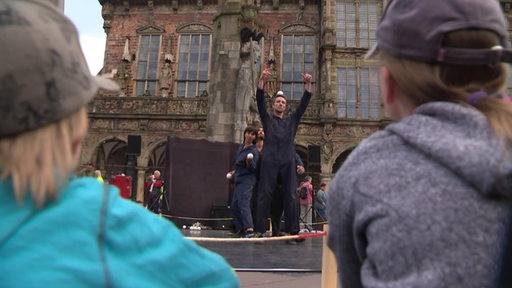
[276,209]
[245,178]
[260,139]
[278,165]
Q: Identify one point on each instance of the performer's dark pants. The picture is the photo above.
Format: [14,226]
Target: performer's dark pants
[276,210]
[273,173]
[241,204]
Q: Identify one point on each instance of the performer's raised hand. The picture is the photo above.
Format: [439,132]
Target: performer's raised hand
[263,77]
[307,78]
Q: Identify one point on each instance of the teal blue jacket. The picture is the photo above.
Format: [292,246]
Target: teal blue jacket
[91,237]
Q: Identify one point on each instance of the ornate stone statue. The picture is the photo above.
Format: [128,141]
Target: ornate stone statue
[246,111]
[250,80]
[271,81]
[328,145]
[122,76]
[166,79]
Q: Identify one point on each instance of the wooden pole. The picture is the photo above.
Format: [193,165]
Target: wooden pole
[329,268]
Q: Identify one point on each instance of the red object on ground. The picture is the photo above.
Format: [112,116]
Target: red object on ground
[124,183]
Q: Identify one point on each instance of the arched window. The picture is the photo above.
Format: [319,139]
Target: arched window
[146,76]
[298,54]
[193,60]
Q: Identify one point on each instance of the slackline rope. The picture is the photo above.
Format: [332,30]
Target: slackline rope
[259,239]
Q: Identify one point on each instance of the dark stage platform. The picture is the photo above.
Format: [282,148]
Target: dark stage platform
[276,256]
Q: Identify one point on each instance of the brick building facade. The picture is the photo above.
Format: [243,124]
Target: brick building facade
[188,68]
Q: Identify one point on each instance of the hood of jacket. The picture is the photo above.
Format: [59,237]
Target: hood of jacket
[461,139]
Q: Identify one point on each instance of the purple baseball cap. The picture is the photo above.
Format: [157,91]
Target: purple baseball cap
[415,29]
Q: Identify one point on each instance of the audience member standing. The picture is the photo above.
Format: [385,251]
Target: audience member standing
[423,203]
[87,171]
[306,212]
[57,229]
[97,175]
[320,203]
[152,190]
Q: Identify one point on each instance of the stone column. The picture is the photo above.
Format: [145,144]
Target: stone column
[224,72]
[140,185]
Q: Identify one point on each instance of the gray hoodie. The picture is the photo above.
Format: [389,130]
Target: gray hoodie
[419,203]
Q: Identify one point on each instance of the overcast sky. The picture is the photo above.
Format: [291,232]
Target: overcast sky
[86,14]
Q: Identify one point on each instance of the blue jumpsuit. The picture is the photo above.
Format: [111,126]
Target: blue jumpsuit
[245,179]
[278,165]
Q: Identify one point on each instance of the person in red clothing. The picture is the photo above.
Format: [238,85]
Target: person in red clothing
[153,187]
[305,204]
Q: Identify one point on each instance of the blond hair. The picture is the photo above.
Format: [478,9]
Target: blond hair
[40,161]
[425,82]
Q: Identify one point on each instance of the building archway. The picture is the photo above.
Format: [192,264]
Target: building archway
[340,160]
[110,157]
[157,156]
[303,153]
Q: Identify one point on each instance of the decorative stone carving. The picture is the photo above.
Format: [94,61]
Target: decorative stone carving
[128,125]
[194,28]
[246,111]
[330,109]
[297,28]
[328,146]
[106,13]
[166,79]
[156,125]
[150,106]
[150,29]
[356,131]
[101,124]
[122,75]
[271,80]
[314,131]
